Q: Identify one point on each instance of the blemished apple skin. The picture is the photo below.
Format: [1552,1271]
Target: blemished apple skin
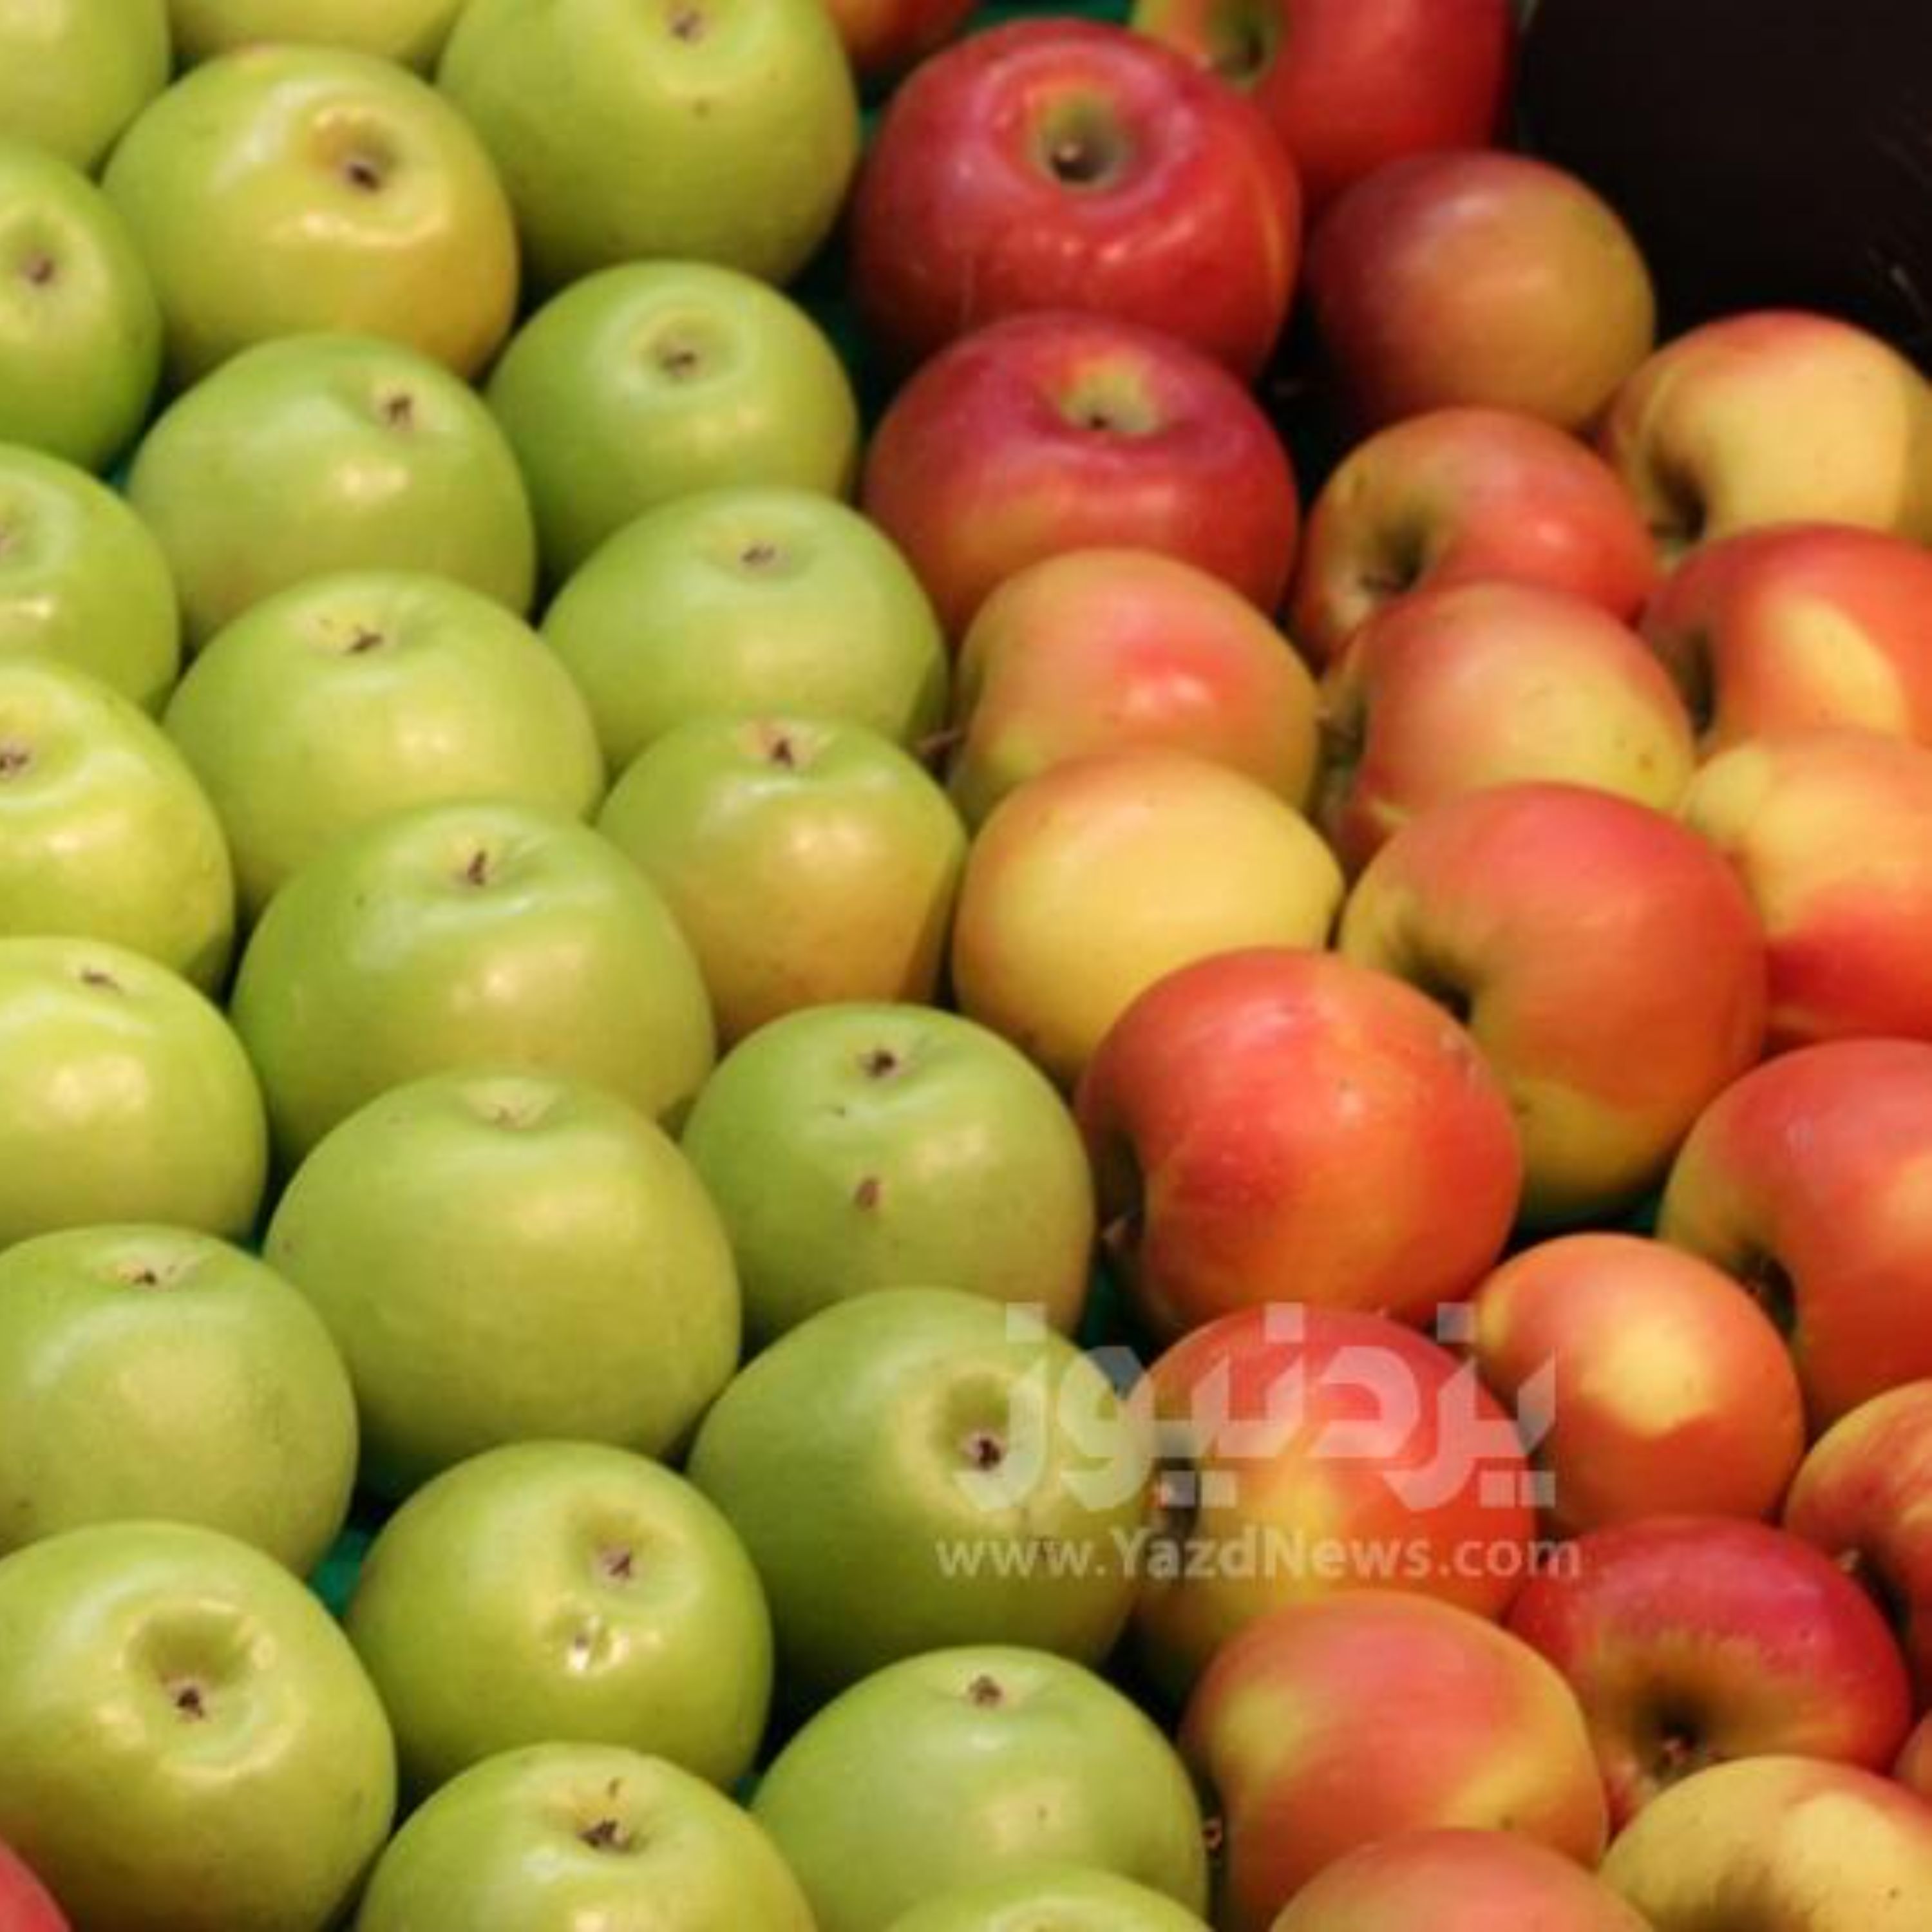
[1049,951]
[1807,1180]
[1476,278]
[1054,432]
[1675,1395]
[1449,691]
[1068,164]
[1368,1455]
[1350,84]
[1775,417]
[1860,1497]
[1275,1125]
[1108,650]
[884,38]
[1694,1640]
[1328,1726]
[1797,628]
[1464,496]
[26,1904]
[1779,1841]
[1606,962]
[1454,1880]
[1831,833]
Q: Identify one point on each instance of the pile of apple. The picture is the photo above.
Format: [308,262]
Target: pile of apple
[1053,1205]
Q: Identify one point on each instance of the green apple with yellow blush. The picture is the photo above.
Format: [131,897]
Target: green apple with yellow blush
[74,72]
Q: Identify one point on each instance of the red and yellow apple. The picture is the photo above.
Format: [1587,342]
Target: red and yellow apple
[1464,496]
[1273,1126]
[1672,1394]
[1606,962]
[1454,691]
[1110,649]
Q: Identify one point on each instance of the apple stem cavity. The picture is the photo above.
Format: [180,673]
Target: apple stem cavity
[985,1692]
[985,1451]
[866,1194]
[607,1835]
[688,24]
[760,556]
[99,979]
[619,1565]
[364,641]
[188,1700]
[881,1063]
[478,871]
[15,758]
[398,410]
[39,270]
[1771,1286]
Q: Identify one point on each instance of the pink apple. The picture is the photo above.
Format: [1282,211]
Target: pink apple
[1469,277]
[1101,876]
[1860,1498]
[1692,1640]
[1350,84]
[1804,1181]
[1109,650]
[1831,833]
[1464,496]
[1309,1451]
[1674,1394]
[1068,164]
[1452,692]
[1607,960]
[1775,417]
[1332,1725]
[1799,626]
[1287,1127]
[1057,432]
[1454,1880]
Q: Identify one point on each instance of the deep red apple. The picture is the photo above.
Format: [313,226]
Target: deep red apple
[1690,1641]
[1275,1125]
[1469,277]
[1067,164]
[1465,496]
[1056,432]
[1350,84]
[24,1903]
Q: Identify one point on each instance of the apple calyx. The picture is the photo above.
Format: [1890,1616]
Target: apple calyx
[618,1565]
[15,758]
[478,872]
[39,269]
[985,1692]
[607,1835]
[881,1063]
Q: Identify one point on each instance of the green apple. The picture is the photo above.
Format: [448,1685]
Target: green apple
[187,1742]
[554,1592]
[713,131]
[372,691]
[893,1453]
[568,1838]
[149,1373]
[657,380]
[80,330]
[74,72]
[83,580]
[505,1258]
[323,453]
[282,191]
[745,600]
[462,935]
[964,1765]
[124,1096]
[1053,1898]
[807,862]
[104,833]
[858,1147]
[412,32]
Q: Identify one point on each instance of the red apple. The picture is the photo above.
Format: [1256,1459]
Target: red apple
[1468,277]
[1277,1126]
[1451,692]
[1607,960]
[1673,1393]
[1692,1640]
[1332,1725]
[25,1906]
[1913,1769]
[1831,833]
[1350,84]
[1456,1881]
[1775,417]
[1806,1181]
[1309,1450]
[1057,432]
[1049,950]
[1464,496]
[1795,627]
[1860,1498]
[884,38]
[1069,164]
[1106,650]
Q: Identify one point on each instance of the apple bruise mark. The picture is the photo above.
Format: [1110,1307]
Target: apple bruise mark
[985,1693]
[15,758]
